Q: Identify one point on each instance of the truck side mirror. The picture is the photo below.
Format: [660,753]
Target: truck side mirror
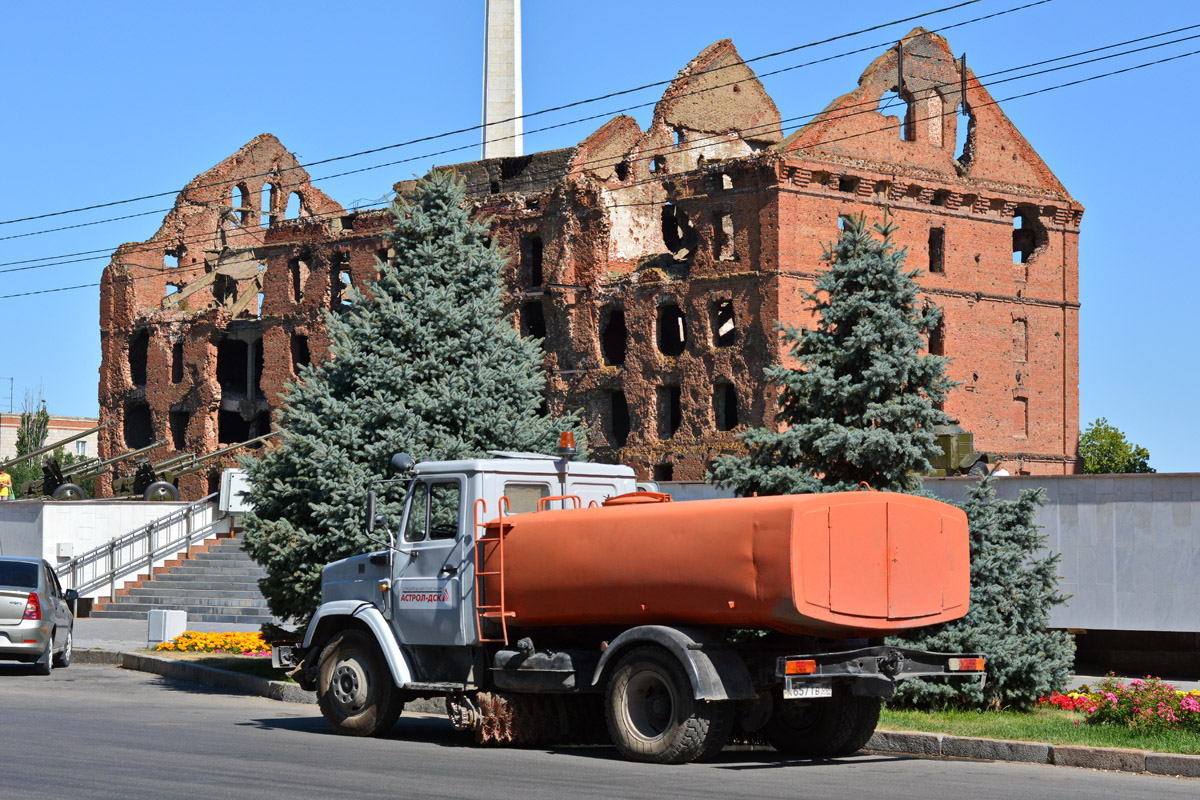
[402,463]
[370,510]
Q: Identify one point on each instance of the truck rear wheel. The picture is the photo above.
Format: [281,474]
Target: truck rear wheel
[653,717]
[354,687]
[838,726]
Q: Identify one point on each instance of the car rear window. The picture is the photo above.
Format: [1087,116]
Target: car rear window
[18,573]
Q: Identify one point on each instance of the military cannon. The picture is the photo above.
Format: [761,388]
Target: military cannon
[33,488]
[66,484]
[957,456]
[157,482]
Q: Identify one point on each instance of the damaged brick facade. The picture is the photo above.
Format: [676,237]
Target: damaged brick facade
[654,263]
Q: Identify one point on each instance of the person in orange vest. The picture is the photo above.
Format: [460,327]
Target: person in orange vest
[5,486]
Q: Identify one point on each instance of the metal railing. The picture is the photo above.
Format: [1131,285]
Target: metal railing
[138,550]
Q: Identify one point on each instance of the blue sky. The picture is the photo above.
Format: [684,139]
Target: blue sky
[110,101]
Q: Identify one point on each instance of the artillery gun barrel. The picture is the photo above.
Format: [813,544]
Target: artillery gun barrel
[50,448]
[195,465]
[94,468]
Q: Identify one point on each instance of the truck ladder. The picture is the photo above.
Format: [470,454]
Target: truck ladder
[491,611]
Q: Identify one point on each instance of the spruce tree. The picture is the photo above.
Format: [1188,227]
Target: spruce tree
[1014,584]
[425,362]
[862,404]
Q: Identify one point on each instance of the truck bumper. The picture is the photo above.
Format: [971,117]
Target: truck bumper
[871,671]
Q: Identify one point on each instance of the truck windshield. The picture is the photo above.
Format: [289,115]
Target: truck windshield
[20,574]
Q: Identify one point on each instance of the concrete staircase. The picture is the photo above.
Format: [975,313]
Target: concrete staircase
[217,582]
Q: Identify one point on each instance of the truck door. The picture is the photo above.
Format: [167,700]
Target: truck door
[429,579]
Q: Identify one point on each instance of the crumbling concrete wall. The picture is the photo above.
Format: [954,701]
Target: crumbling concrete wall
[654,264]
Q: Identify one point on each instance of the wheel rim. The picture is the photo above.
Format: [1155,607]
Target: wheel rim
[66,653]
[800,717]
[160,495]
[650,705]
[349,685]
[70,494]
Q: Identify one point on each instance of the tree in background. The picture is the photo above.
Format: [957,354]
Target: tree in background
[32,431]
[1105,450]
[1014,585]
[863,402]
[425,362]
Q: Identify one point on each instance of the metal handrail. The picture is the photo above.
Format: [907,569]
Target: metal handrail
[109,550]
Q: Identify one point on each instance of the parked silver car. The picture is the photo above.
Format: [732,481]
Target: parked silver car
[36,623]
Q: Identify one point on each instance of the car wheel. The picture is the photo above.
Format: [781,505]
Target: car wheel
[161,492]
[355,689]
[653,717]
[45,663]
[63,659]
[838,726]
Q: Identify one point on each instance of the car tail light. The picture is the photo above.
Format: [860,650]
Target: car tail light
[805,667]
[966,665]
[33,607]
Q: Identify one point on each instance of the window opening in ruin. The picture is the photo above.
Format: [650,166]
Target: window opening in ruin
[679,137]
[613,337]
[258,304]
[177,362]
[232,427]
[225,290]
[494,187]
[171,257]
[242,206]
[214,481]
[531,257]
[670,410]
[724,329]
[179,422]
[964,131]
[913,192]
[1020,340]
[266,205]
[726,181]
[664,473]
[723,236]
[883,189]
[139,350]
[894,104]
[298,269]
[940,197]
[260,425]
[339,281]
[679,236]
[937,250]
[1020,416]
[618,419]
[347,222]
[658,164]
[937,339]
[725,408]
[533,320]
[622,170]
[672,329]
[173,288]
[1024,236]
[233,367]
[300,355]
[820,178]
[294,206]
[848,183]
[139,426]
[383,255]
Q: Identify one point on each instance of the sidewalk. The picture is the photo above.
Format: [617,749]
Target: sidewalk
[130,634]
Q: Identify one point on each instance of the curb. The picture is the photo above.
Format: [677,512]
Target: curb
[1107,758]
[929,745]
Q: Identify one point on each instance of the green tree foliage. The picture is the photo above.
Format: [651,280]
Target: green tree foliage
[425,362]
[32,431]
[1014,585]
[861,405]
[1105,450]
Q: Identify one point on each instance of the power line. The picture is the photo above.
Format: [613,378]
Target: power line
[471,128]
[825,141]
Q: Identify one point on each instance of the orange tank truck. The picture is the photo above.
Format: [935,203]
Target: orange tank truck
[848,564]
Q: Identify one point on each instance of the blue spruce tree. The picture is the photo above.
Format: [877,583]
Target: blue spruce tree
[863,401]
[424,361]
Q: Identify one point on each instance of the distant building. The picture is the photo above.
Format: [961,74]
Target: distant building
[60,428]
[655,264]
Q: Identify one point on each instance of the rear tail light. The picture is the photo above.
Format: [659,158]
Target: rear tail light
[800,667]
[966,665]
[33,607]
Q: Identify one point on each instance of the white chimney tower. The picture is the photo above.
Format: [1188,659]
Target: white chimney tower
[502,80]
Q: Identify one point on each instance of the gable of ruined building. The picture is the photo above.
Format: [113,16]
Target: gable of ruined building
[919,130]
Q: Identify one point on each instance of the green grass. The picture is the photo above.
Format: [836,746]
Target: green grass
[1051,725]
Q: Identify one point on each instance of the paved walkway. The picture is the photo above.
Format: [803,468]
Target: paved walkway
[130,634]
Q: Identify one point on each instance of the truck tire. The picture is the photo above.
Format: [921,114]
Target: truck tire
[652,715]
[161,492]
[838,726]
[354,687]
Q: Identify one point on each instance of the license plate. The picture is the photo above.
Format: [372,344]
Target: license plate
[798,688]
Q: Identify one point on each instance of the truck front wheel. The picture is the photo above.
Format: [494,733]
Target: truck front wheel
[838,726]
[354,687]
[653,717]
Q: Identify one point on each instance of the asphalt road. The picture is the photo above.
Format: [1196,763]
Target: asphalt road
[101,732]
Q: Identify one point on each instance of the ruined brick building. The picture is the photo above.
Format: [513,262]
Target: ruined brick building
[654,263]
